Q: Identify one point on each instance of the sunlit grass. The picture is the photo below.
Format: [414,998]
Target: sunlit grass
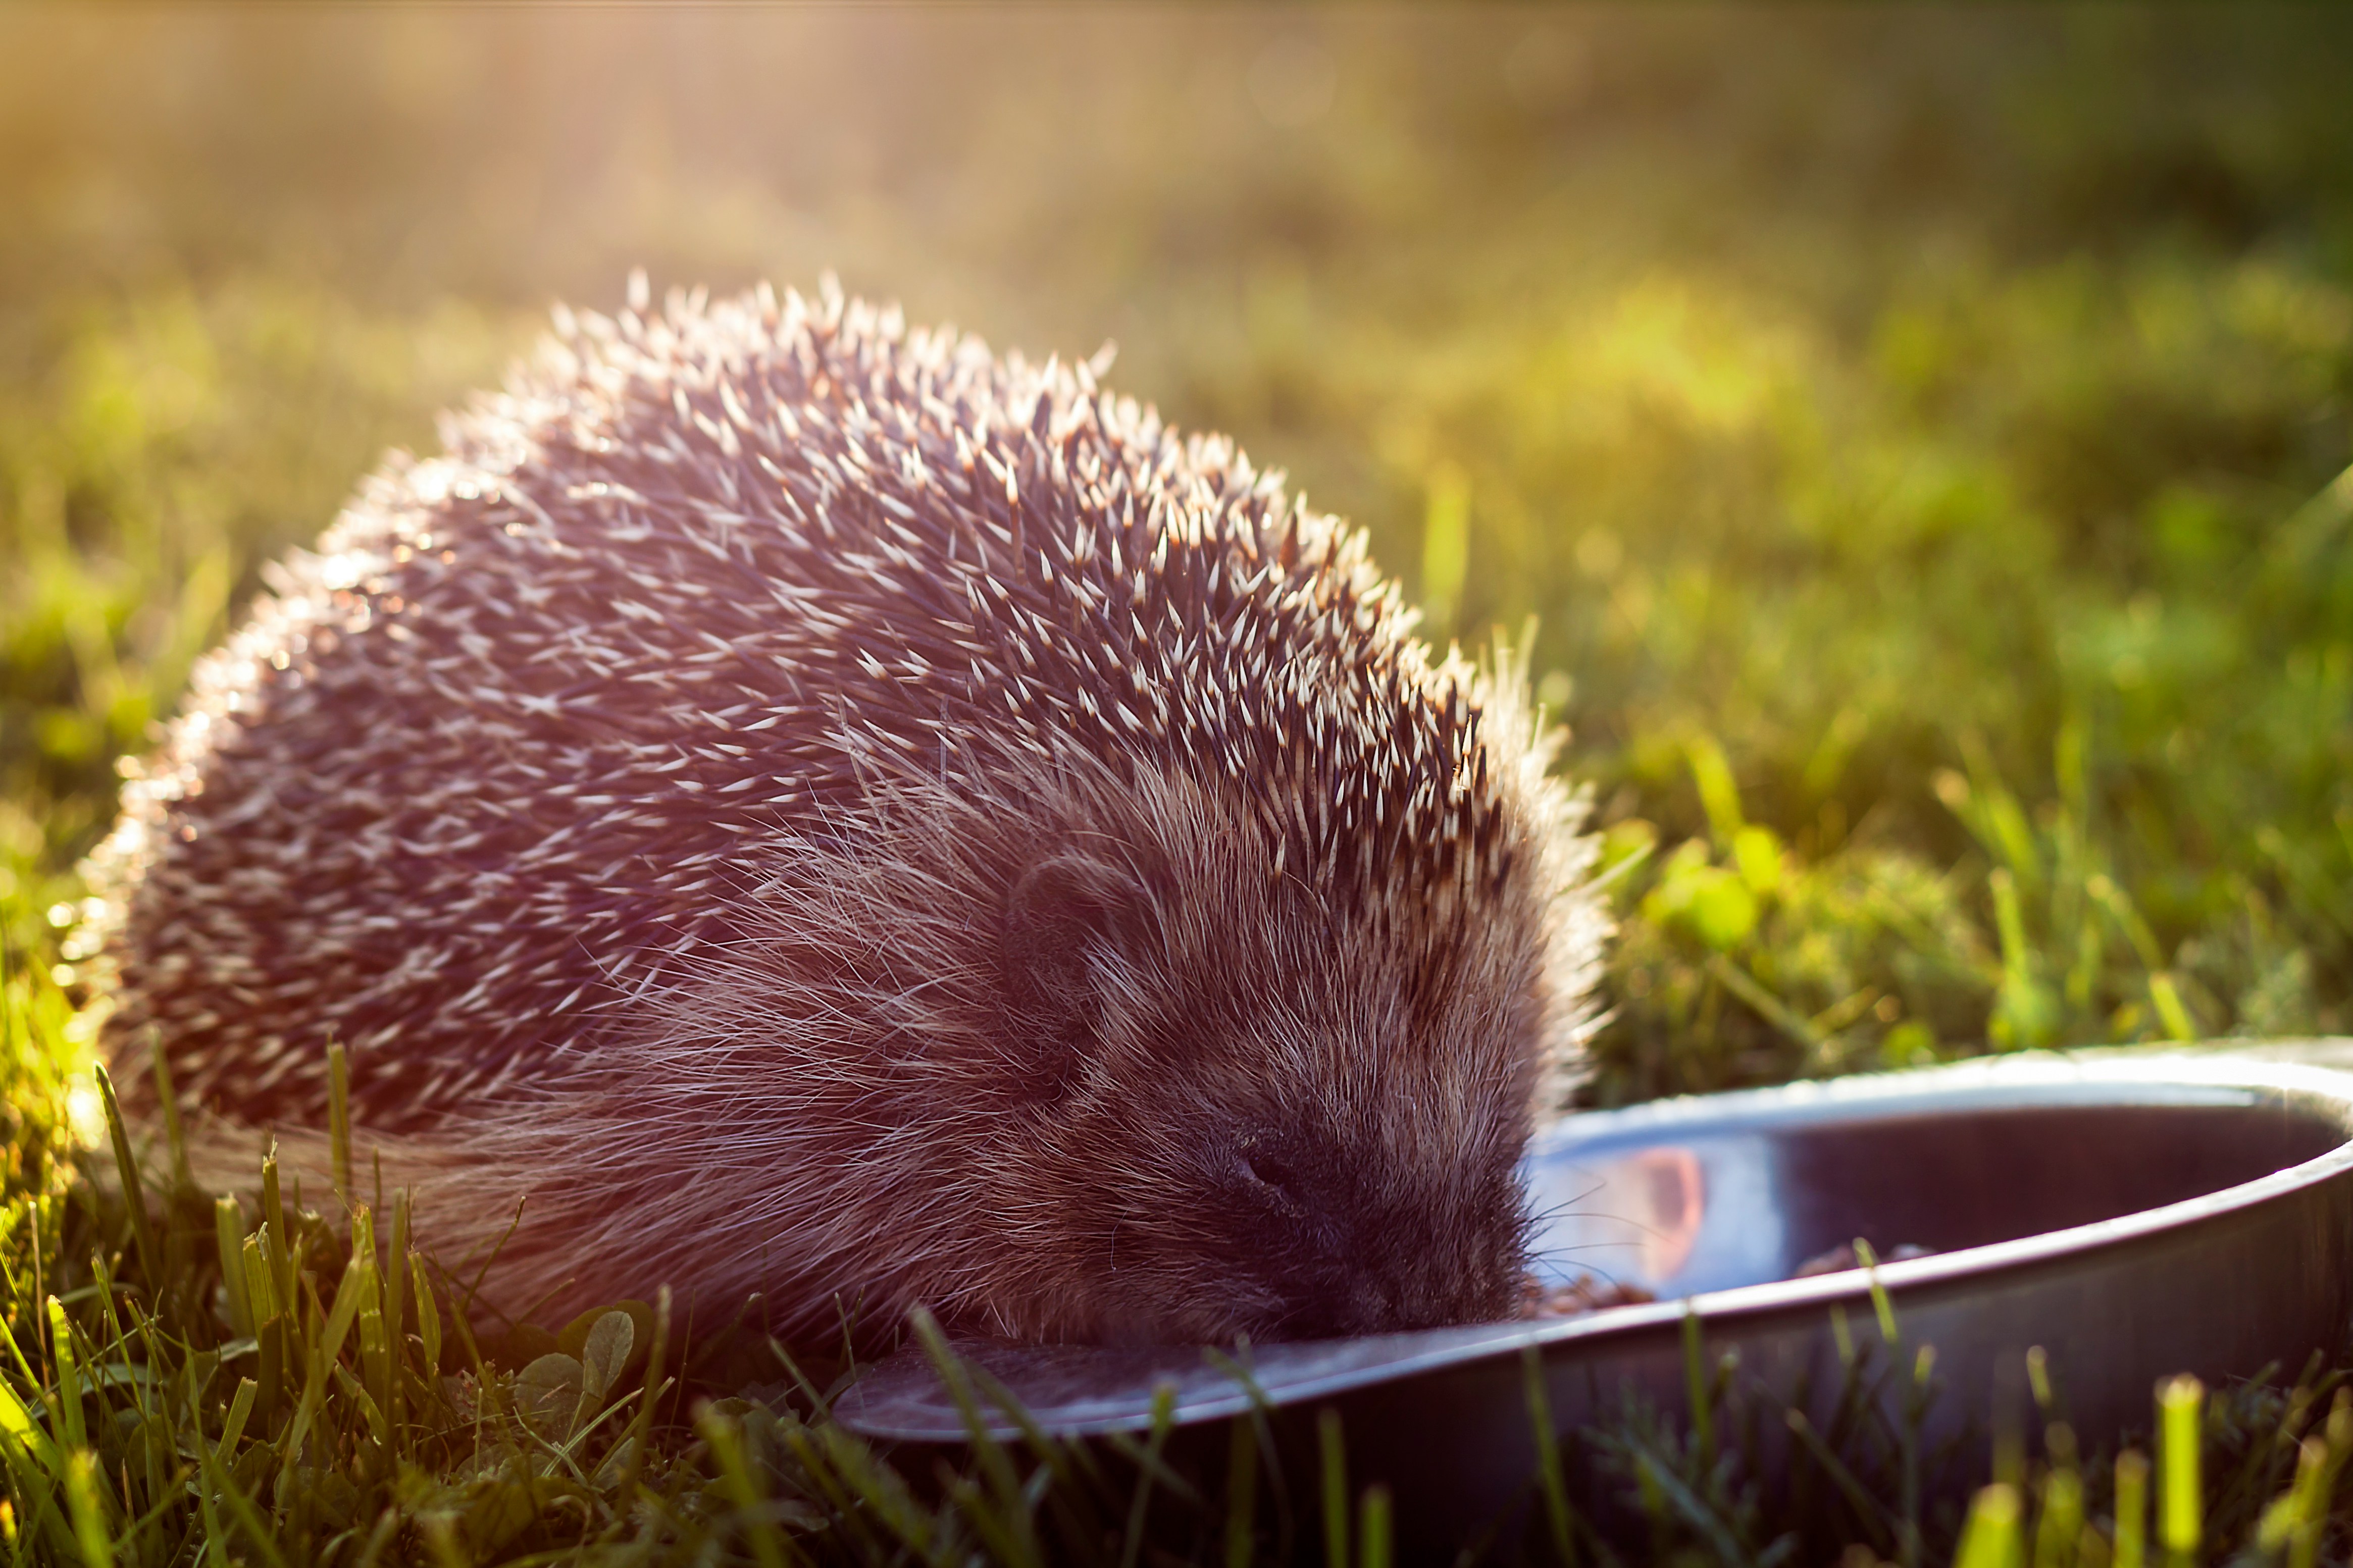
[193,1379]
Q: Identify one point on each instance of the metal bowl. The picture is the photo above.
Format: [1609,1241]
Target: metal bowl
[2133,1214]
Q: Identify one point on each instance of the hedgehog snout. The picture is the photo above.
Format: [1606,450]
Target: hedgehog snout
[1331,1244]
[1397,1269]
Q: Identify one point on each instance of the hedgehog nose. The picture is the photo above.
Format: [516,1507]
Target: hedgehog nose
[1358,1302]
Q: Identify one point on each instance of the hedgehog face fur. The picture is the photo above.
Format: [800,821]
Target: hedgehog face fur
[808,807]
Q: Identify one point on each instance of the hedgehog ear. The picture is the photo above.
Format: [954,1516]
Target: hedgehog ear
[1066,914]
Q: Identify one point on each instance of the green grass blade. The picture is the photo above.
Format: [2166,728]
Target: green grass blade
[641,1423]
[1695,1388]
[277,1253]
[228,1238]
[86,1497]
[428,1314]
[2181,1498]
[1376,1548]
[36,1467]
[24,1435]
[2132,1510]
[263,1303]
[323,1355]
[725,1439]
[1872,1513]
[33,1379]
[844,1468]
[1883,1306]
[1549,1474]
[1000,1528]
[240,1409]
[1991,1538]
[219,1482]
[2062,1524]
[1163,1415]
[391,1298]
[1241,1492]
[1006,1514]
[1333,1474]
[216,1539]
[134,1192]
[70,1431]
[2166,998]
[2309,1498]
[370,1413]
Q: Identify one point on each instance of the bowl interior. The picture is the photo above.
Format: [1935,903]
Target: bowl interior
[1677,1206]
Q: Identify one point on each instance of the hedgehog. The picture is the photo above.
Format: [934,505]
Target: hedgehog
[793,805]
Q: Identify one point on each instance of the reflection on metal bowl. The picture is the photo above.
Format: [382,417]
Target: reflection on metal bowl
[2134,1214]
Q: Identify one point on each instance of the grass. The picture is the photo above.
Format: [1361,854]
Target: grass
[1917,437]
[195,1379]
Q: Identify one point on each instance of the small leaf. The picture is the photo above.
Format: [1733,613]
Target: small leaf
[429,1316]
[572,1339]
[547,1392]
[604,1356]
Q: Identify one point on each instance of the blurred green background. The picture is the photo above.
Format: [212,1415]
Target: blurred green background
[1912,432]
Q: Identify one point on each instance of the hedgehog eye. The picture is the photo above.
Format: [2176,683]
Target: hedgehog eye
[1065,913]
[1267,1170]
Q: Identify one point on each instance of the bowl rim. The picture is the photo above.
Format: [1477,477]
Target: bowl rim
[2234,1073]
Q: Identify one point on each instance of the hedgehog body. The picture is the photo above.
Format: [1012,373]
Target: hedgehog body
[808,807]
